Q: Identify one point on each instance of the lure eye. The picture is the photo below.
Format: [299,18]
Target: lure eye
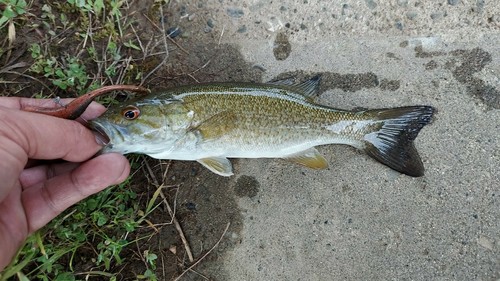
[131,112]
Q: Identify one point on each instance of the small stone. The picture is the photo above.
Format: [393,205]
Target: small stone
[173,249]
[191,206]
[436,16]
[399,25]
[242,29]
[485,243]
[183,11]
[345,7]
[371,4]
[411,15]
[259,67]
[453,2]
[392,56]
[480,6]
[210,23]
[274,24]
[403,3]
[235,12]
[174,32]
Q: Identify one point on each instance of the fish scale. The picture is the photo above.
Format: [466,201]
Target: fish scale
[210,123]
[266,119]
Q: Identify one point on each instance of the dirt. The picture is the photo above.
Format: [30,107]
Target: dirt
[204,205]
[204,202]
[463,64]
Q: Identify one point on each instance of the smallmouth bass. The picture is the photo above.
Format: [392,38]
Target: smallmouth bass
[210,123]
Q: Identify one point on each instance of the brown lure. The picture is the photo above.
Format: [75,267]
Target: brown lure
[76,107]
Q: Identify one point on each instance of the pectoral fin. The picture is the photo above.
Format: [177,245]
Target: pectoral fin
[310,158]
[217,125]
[219,165]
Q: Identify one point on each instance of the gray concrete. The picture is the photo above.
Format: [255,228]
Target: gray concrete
[359,220]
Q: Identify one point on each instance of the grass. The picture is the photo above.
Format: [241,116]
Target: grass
[101,224]
[81,45]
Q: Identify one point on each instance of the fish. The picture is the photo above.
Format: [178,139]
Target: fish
[211,123]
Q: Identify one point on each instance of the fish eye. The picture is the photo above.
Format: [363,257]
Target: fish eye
[131,112]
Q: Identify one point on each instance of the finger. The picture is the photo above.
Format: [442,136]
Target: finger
[93,110]
[46,200]
[13,226]
[46,137]
[41,173]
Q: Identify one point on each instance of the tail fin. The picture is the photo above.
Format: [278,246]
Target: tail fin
[392,144]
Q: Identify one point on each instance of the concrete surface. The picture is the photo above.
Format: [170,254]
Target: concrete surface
[359,220]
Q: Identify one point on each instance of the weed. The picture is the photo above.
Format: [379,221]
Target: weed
[104,219]
[95,233]
[89,5]
[148,275]
[13,8]
[70,73]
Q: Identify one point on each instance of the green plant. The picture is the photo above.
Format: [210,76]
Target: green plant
[13,9]
[68,73]
[88,6]
[148,275]
[103,218]
[93,237]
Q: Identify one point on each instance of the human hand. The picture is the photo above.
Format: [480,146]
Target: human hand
[32,196]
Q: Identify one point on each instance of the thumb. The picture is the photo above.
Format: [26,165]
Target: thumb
[46,200]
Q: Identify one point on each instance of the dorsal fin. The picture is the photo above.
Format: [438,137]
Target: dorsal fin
[307,88]
[283,82]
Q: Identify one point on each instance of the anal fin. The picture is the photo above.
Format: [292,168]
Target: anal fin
[310,158]
[219,165]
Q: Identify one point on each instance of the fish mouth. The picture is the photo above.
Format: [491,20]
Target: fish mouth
[114,136]
[103,135]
